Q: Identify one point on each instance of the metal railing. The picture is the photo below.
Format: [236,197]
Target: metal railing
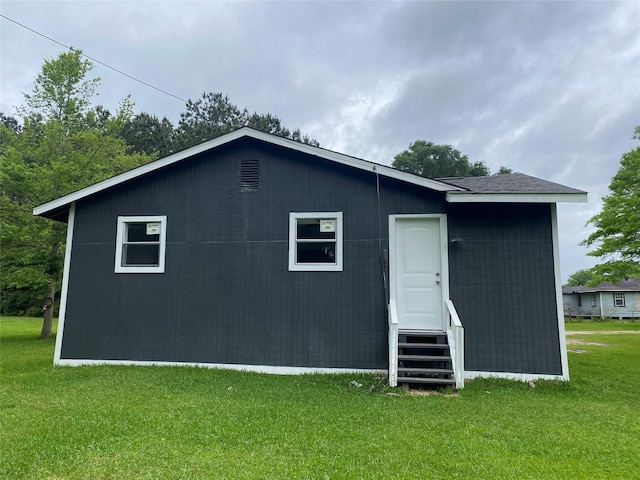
[455,335]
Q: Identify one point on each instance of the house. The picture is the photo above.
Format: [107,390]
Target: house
[255,252]
[620,300]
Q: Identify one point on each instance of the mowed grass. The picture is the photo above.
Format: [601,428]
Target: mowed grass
[112,422]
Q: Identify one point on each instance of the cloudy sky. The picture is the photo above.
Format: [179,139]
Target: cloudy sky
[551,89]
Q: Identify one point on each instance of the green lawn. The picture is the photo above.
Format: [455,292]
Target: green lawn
[598,325]
[188,423]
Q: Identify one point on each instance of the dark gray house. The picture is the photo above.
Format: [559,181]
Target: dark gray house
[255,252]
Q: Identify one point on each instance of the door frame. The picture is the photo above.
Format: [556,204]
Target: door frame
[444,256]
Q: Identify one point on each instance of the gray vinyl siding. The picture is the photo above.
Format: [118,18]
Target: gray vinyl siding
[631,308]
[501,282]
[226,295]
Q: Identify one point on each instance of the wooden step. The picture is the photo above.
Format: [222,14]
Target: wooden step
[435,381]
[429,358]
[430,371]
[423,345]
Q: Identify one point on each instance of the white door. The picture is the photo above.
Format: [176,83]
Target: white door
[418,279]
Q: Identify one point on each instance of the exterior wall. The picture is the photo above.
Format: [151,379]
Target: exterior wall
[226,295]
[630,309]
[580,304]
[573,308]
[502,284]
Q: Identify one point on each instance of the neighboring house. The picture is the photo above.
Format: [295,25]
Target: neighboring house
[620,300]
[255,252]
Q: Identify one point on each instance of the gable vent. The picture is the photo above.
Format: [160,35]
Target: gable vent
[249,175]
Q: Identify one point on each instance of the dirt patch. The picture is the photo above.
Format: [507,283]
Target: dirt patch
[577,341]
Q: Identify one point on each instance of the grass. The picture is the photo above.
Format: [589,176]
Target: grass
[112,422]
[600,325]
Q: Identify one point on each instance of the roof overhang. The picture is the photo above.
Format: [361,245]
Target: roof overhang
[476,197]
[63,202]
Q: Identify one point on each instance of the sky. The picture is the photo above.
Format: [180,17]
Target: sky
[550,89]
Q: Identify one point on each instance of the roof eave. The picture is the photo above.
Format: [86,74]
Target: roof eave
[477,197]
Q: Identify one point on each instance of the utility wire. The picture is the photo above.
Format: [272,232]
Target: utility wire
[94,60]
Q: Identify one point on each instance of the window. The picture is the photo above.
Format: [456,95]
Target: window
[315,241]
[593,300]
[618,299]
[140,244]
[579,299]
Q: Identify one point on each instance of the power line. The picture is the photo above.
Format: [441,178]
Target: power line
[94,59]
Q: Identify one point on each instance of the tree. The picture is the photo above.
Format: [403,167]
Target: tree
[437,161]
[147,134]
[617,235]
[503,171]
[61,90]
[63,146]
[213,115]
[10,122]
[580,278]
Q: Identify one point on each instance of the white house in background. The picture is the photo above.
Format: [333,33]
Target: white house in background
[620,300]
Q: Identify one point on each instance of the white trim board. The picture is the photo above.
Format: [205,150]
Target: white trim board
[230,137]
[477,197]
[65,283]
[269,369]
[558,284]
[521,377]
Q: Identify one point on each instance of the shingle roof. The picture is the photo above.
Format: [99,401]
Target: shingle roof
[508,183]
[621,286]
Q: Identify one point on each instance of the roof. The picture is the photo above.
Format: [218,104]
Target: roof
[517,187]
[455,188]
[621,286]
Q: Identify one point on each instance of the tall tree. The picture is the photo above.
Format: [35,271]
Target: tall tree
[62,92]
[580,278]
[62,146]
[147,134]
[617,235]
[436,161]
[214,115]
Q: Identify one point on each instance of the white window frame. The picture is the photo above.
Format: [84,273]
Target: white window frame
[618,299]
[294,266]
[120,241]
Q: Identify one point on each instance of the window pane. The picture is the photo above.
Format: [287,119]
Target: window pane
[310,228]
[137,232]
[147,255]
[316,252]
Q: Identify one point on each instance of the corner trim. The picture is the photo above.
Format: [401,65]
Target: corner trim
[559,301]
[65,283]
